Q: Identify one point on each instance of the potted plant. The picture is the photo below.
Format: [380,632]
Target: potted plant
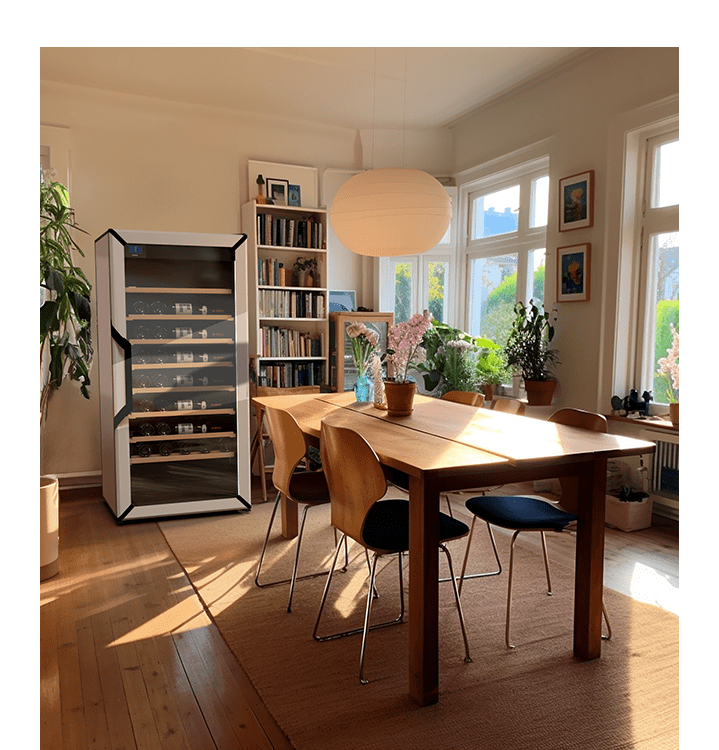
[669,368]
[65,345]
[492,368]
[527,351]
[404,350]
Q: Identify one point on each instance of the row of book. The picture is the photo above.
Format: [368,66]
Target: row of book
[274,303]
[287,232]
[285,342]
[291,374]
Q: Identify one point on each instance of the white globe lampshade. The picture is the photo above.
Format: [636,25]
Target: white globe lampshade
[391,212]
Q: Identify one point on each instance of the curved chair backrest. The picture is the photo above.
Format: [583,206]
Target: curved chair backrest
[289,446]
[354,477]
[585,420]
[464,397]
[508,406]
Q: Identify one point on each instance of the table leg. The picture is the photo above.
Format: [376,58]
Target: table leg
[423,592]
[289,513]
[589,567]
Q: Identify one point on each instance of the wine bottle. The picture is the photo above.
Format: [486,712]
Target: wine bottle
[160,380]
[182,332]
[183,308]
[158,308]
[140,307]
[141,381]
[185,357]
[163,428]
[180,380]
[165,449]
[144,450]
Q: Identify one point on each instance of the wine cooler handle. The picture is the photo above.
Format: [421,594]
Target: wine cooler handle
[126,347]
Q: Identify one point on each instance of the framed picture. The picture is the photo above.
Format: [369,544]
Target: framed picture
[573,271]
[342,301]
[293,196]
[576,201]
[277,191]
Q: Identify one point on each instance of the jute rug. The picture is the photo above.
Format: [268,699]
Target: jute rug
[536,696]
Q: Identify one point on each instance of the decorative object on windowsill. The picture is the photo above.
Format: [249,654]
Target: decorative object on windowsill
[306,272]
[260,198]
[364,345]
[631,404]
[527,350]
[404,350]
[65,344]
[669,368]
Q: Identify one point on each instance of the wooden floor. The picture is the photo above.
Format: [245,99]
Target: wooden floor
[130,659]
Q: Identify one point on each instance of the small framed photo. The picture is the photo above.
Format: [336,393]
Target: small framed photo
[293,196]
[576,201]
[277,191]
[573,271]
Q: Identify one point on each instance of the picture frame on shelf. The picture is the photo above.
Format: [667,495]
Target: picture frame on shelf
[576,201]
[573,272]
[277,191]
[293,196]
[342,301]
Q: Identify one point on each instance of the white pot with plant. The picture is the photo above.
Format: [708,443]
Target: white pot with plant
[65,344]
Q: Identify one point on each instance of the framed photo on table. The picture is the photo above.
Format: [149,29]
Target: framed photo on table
[576,201]
[573,272]
[293,197]
[277,191]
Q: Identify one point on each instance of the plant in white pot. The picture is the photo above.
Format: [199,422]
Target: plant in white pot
[527,350]
[65,344]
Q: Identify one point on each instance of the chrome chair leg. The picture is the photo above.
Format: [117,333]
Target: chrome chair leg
[463,575]
[297,557]
[467,657]
[509,590]
[608,636]
[264,546]
[546,563]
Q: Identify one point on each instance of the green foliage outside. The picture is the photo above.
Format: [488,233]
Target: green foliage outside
[402,292]
[667,313]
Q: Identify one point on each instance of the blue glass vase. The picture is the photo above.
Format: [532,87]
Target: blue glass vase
[363,389]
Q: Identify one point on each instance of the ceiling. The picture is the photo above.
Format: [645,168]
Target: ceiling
[349,87]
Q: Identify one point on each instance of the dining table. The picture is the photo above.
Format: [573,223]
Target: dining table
[443,446]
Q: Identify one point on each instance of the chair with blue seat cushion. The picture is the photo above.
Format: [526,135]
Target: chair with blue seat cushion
[357,485]
[306,488]
[527,513]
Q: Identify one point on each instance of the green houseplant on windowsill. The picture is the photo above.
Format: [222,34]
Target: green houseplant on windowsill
[65,345]
[527,351]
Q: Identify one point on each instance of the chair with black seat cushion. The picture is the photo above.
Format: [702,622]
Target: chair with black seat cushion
[306,488]
[527,513]
[357,484]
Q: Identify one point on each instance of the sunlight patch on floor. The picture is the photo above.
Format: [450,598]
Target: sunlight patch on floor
[185,615]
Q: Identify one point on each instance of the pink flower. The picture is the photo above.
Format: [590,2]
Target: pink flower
[404,345]
[670,363]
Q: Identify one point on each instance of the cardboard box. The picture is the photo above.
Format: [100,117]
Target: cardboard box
[629,516]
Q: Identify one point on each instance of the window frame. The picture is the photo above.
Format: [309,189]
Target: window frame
[524,241]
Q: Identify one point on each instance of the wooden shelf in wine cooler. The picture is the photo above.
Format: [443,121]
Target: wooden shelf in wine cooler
[184,436]
[188,457]
[183,341]
[177,365]
[174,290]
[179,413]
[179,317]
[183,389]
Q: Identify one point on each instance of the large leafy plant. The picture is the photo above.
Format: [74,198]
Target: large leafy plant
[457,361]
[527,348]
[65,313]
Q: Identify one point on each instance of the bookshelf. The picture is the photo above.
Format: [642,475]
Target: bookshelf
[289,327]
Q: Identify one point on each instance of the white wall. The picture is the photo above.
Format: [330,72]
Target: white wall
[140,163]
[577,114]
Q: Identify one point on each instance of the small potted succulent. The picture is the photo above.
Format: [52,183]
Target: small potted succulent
[527,351]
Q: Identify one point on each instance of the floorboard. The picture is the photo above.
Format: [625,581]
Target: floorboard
[130,660]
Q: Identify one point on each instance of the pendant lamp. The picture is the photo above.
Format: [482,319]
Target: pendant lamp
[386,212]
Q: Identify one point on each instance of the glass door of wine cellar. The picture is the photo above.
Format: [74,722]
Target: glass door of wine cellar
[172,349]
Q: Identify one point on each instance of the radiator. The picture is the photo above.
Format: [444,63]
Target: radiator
[665,473]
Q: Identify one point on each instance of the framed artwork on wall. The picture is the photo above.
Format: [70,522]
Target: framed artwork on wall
[293,198]
[573,272]
[277,191]
[342,300]
[576,201]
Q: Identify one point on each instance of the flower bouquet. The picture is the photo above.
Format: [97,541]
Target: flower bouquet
[404,350]
[364,347]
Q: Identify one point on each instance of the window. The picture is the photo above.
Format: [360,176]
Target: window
[505,247]
[659,261]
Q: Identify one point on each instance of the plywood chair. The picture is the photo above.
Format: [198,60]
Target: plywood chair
[306,488]
[465,397]
[526,513]
[508,405]
[357,484]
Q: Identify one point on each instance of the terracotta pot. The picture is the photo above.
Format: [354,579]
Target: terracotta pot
[49,527]
[488,391]
[540,392]
[399,397]
[674,413]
